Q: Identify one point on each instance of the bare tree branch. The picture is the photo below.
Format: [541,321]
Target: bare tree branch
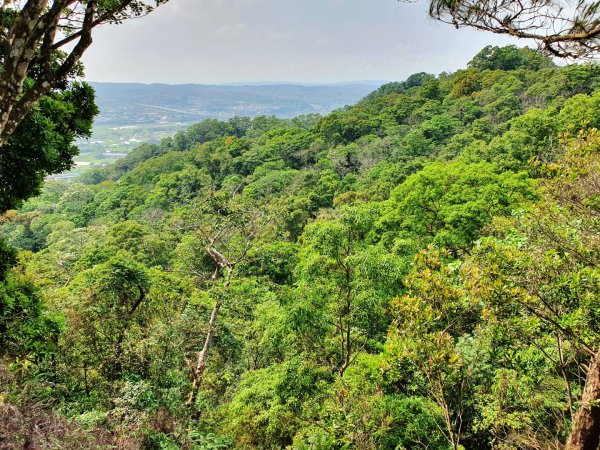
[560,28]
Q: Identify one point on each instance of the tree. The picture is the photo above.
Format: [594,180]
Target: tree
[545,270]
[429,323]
[576,185]
[27,331]
[42,108]
[561,28]
[43,143]
[107,315]
[342,288]
[509,57]
[226,233]
[35,34]
[449,204]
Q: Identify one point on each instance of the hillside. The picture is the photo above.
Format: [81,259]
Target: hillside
[132,113]
[418,270]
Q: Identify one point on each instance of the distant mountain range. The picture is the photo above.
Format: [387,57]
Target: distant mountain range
[135,103]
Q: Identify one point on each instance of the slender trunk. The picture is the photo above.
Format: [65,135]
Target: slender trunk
[345,331]
[348,331]
[438,393]
[561,362]
[585,432]
[117,372]
[452,437]
[198,370]
[85,379]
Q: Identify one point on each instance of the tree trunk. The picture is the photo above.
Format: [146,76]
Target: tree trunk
[198,370]
[32,36]
[585,433]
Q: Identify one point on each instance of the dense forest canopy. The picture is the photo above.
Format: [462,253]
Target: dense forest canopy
[418,270]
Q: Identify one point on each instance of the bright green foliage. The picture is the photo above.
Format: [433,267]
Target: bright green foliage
[450,203]
[430,321]
[510,57]
[108,314]
[26,328]
[265,411]
[342,287]
[43,143]
[419,270]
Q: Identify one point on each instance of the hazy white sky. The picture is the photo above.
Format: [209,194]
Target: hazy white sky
[221,41]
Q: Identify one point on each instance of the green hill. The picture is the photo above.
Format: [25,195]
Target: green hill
[418,270]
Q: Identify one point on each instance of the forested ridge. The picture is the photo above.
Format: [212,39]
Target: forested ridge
[416,271]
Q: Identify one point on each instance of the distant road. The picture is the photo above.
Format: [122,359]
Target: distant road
[133,103]
[168,109]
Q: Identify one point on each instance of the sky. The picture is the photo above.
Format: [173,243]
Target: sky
[307,41]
